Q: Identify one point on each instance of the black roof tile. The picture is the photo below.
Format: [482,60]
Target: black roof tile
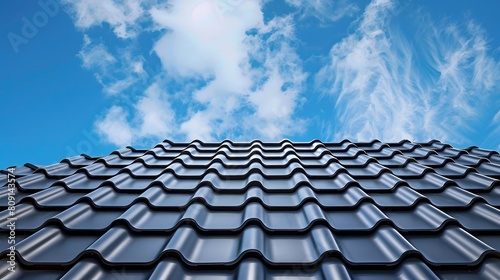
[476,181]
[272,184]
[411,170]
[35,182]
[453,170]
[100,170]
[79,161]
[19,171]
[26,274]
[29,217]
[451,196]
[350,152]
[139,170]
[56,196]
[384,152]
[4,197]
[365,217]
[126,182]
[452,245]
[490,239]
[479,217]
[492,196]
[494,158]
[419,153]
[128,153]
[489,269]
[435,144]
[79,181]
[114,160]
[482,152]
[434,160]
[57,170]
[385,182]
[469,160]
[117,245]
[452,152]
[489,169]
[395,161]
[429,181]
[371,170]
[159,197]
[423,217]
[402,196]
[341,146]
[230,210]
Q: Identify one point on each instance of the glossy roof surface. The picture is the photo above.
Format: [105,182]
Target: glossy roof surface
[260,210]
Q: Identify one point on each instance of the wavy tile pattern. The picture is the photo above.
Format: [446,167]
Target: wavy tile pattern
[260,210]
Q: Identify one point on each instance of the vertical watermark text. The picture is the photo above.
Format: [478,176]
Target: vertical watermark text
[11,220]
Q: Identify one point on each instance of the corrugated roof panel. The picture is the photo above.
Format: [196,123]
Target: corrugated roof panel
[258,210]
[57,170]
[492,196]
[35,182]
[80,182]
[79,161]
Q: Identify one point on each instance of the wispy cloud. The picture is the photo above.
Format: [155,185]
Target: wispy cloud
[122,16]
[324,10]
[461,55]
[95,56]
[390,86]
[116,74]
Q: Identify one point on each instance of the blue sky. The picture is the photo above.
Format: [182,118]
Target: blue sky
[81,76]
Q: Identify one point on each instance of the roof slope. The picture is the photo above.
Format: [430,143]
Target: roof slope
[260,210]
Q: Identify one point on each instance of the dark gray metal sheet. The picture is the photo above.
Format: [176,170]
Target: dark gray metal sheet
[267,210]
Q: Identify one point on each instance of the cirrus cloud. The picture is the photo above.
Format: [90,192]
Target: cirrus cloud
[391,86]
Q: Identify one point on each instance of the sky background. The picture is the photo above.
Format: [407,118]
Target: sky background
[90,76]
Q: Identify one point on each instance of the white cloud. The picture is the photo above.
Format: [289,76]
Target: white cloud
[244,73]
[115,74]
[95,56]
[278,97]
[324,10]
[209,40]
[153,118]
[383,87]
[115,128]
[155,114]
[199,126]
[120,15]
[273,109]
[118,86]
[204,41]
[138,67]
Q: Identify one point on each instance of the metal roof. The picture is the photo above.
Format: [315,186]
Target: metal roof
[259,210]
